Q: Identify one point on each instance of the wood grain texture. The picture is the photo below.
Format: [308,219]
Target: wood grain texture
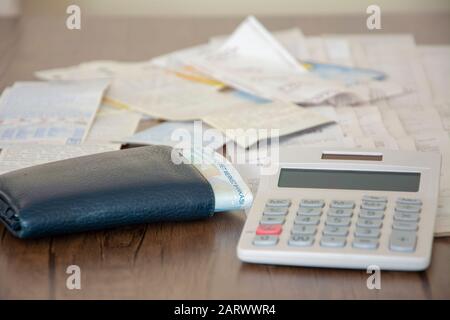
[193,260]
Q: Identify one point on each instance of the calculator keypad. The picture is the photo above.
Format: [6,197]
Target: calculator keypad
[315,203]
[304,230]
[269,229]
[342,204]
[265,241]
[309,211]
[365,243]
[278,203]
[272,220]
[333,242]
[333,212]
[307,220]
[335,231]
[275,211]
[301,240]
[337,223]
[404,241]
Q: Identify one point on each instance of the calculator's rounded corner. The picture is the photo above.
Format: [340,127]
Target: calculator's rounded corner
[419,264]
[242,254]
[424,263]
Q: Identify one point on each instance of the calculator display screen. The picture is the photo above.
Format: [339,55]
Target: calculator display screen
[347,179]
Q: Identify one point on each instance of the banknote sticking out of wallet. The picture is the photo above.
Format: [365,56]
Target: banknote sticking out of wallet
[117,188]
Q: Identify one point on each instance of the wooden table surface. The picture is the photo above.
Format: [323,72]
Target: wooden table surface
[179,260]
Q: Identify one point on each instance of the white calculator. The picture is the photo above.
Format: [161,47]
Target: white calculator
[345,209]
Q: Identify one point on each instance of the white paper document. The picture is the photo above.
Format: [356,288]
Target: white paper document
[161,94]
[14,157]
[436,63]
[111,125]
[292,40]
[49,111]
[252,60]
[184,134]
[243,122]
[97,69]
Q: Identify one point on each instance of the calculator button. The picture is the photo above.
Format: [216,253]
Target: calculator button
[409,217]
[309,211]
[365,243]
[407,208]
[335,231]
[367,232]
[308,220]
[333,212]
[301,240]
[315,203]
[269,229]
[374,198]
[332,242]
[371,214]
[338,222]
[278,203]
[305,230]
[412,201]
[265,240]
[369,223]
[272,220]
[373,205]
[405,226]
[404,241]
[342,204]
[275,211]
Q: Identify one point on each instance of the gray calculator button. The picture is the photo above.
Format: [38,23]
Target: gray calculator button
[369,223]
[333,242]
[272,220]
[371,214]
[306,230]
[275,211]
[278,203]
[405,226]
[404,241]
[265,240]
[407,208]
[342,204]
[335,231]
[309,220]
[409,217]
[373,205]
[309,211]
[301,240]
[367,232]
[375,198]
[315,203]
[365,243]
[338,222]
[334,212]
[412,201]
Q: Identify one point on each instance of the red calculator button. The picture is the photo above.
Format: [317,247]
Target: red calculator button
[269,229]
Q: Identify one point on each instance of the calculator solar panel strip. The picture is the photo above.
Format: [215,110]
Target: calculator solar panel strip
[298,219]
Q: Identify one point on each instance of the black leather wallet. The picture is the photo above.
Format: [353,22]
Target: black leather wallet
[101,191]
